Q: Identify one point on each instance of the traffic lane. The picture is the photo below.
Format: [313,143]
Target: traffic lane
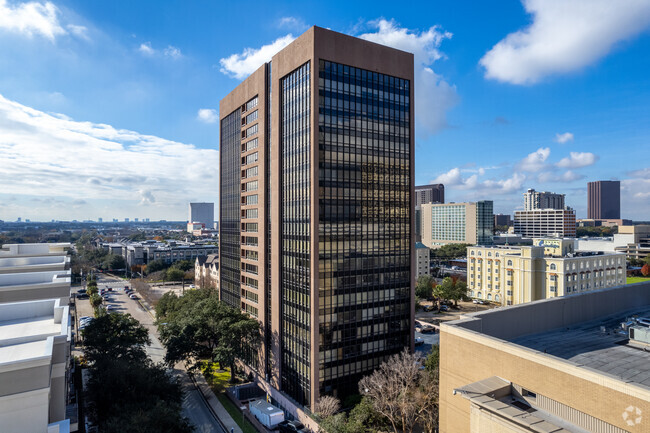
[195,409]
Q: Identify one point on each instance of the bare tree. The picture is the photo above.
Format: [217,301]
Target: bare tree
[393,390]
[327,406]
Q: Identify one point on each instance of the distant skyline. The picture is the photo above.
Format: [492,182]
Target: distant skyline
[110,109]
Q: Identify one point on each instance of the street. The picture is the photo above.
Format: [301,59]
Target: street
[194,407]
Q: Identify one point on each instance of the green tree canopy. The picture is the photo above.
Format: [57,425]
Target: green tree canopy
[424,286]
[113,337]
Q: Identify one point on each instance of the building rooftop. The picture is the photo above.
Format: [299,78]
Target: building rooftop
[584,331]
[420,245]
[600,345]
[24,250]
[33,264]
[26,328]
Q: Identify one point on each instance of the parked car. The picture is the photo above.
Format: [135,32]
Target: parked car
[427,329]
[81,291]
[109,289]
[126,287]
[291,427]
[444,308]
[110,308]
[419,341]
[428,308]
[82,296]
[192,286]
[133,297]
[84,318]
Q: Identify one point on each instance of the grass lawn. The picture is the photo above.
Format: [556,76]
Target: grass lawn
[236,414]
[632,280]
[219,380]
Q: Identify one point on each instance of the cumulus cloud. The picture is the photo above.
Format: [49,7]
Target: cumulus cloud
[292,23]
[643,173]
[173,52]
[248,61]
[207,115]
[552,176]
[454,179]
[31,18]
[564,36]
[535,161]
[578,159]
[146,49]
[46,155]
[563,138]
[434,96]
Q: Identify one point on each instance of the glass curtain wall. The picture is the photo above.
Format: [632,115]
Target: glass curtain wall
[230,159]
[296,252]
[364,229]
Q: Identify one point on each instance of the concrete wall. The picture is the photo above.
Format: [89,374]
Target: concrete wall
[25,412]
[18,250]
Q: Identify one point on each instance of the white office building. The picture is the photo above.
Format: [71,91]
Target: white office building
[202,213]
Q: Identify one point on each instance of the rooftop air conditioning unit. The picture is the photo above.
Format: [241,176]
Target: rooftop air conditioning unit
[640,334]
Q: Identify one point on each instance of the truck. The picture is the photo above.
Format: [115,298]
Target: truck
[267,414]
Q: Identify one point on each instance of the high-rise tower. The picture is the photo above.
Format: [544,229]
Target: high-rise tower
[316,210]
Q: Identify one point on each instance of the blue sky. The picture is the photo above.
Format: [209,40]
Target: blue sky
[108,108]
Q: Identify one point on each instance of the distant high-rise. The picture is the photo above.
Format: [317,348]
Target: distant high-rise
[434,193]
[604,199]
[534,200]
[100,220]
[316,211]
[201,213]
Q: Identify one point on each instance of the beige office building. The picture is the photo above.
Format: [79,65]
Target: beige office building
[316,207]
[511,275]
[571,364]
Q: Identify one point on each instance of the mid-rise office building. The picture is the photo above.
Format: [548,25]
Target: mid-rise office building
[457,223]
[433,193]
[511,275]
[569,364]
[423,259]
[604,199]
[545,223]
[201,213]
[534,200]
[316,212]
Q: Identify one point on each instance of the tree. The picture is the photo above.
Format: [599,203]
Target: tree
[451,289]
[126,390]
[424,286]
[95,301]
[428,403]
[645,270]
[183,265]
[113,337]
[173,274]
[156,265]
[392,389]
[327,406]
[113,261]
[432,361]
[198,325]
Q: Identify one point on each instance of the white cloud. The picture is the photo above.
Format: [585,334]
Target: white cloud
[31,18]
[643,173]
[173,52]
[563,138]
[567,176]
[535,161]
[564,36]
[146,49]
[578,159]
[453,179]
[434,96]
[242,65]
[48,155]
[79,31]
[292,23]
[207,115]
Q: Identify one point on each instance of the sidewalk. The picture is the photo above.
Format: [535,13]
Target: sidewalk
[214,403]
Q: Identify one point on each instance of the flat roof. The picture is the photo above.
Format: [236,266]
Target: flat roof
[28,328]
[21,352]
[583,330]
[586,345]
